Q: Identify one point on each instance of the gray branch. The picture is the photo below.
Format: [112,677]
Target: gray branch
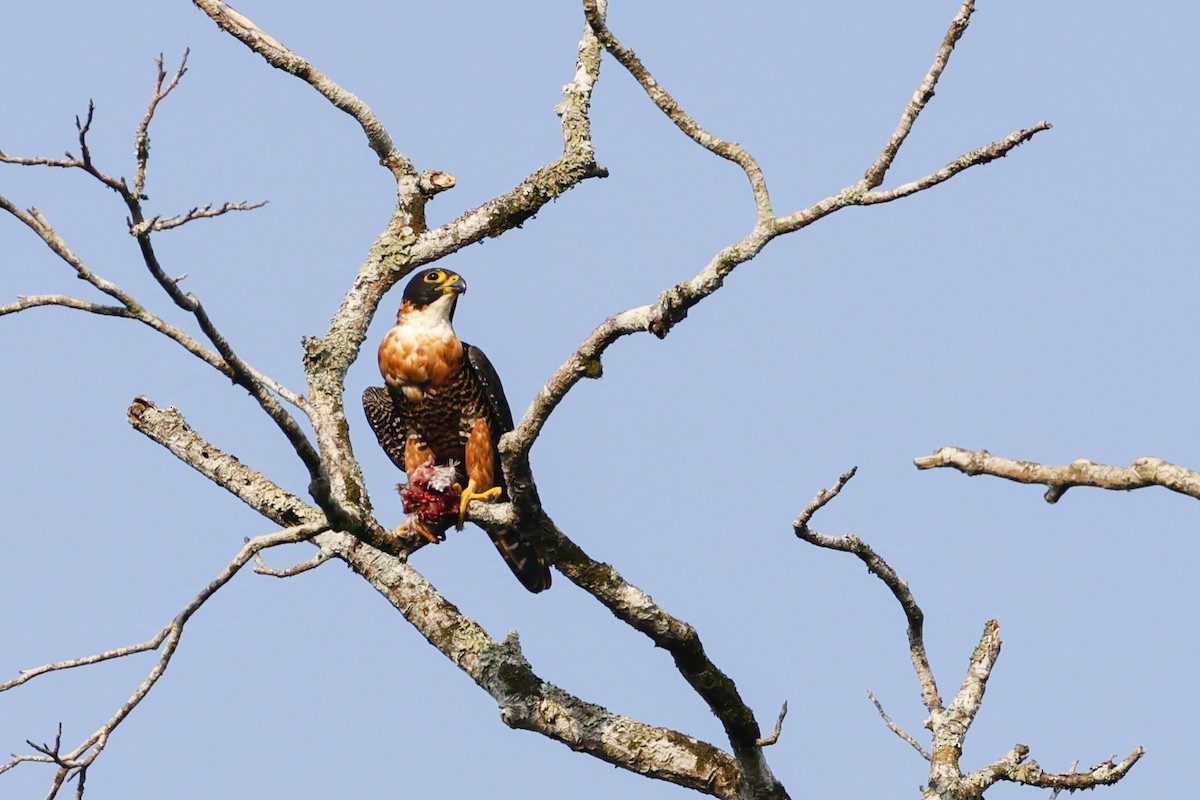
[526,701]
[950,725]
[241,28]
[1143,472]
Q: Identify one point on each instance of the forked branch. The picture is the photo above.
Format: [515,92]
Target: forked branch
[950,725]
[168,638]
[225,359]
[499,668]
[674,303]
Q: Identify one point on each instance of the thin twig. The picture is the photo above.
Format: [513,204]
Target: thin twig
[37,300]
[731,151]
[91,747]
[975,158]
[924,93]
[896,729]
[141,139]
[261,567]
[882,570]
[774,737]
[130,308]
[207,212]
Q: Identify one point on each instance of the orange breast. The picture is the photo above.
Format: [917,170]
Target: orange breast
[415,361]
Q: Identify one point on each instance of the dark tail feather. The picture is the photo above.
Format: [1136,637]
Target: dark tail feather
[527,562]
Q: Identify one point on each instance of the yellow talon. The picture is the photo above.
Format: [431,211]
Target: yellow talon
[470,494]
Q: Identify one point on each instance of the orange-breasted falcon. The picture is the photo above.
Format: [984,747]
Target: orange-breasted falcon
[443,406]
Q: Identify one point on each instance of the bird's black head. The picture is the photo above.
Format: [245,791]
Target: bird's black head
[431,285]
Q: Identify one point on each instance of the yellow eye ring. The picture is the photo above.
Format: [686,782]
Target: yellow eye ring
[435,276]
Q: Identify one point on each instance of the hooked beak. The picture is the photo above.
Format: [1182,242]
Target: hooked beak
[455,285]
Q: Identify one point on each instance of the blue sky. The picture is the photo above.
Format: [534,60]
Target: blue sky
[1041,307]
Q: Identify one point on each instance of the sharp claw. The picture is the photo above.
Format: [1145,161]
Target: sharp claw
[470,494]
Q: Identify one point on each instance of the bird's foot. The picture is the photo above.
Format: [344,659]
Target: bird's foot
[469,494]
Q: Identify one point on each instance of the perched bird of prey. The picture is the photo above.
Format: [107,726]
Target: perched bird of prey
[440,418]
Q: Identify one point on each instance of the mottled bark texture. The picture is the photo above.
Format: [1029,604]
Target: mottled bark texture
[1143,472]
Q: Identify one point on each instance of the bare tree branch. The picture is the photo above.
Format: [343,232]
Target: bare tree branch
[1143,472]
[896,729]
[168,427]
[975,158]
[499,669]
[774,737]
[949,725]
[1012,768]
[207,212]
[241,28]
[924,93]
[38,300]
[141,139]
[731,151]
[261,567]
[130,307]
[633,606]
[88,750]
[528,702]
[512,208]
[674,303]
[238,370]
[882,570]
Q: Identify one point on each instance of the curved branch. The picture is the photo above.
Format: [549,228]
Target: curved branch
[882,570]
[241,28]
[91,747]
[197,212]
[1143,472]
[65,301]
[896,729]
[511,209]
[731,151]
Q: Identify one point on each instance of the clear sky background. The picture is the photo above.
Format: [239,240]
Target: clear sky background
[1042,307]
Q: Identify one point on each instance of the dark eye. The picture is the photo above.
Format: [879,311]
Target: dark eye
[435,276]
